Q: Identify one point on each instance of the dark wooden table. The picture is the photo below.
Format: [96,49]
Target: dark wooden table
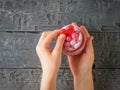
[23,21]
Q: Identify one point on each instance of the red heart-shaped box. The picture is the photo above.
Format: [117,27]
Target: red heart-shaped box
[75,39]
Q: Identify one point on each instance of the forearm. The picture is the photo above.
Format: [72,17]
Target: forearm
[84,83]
[48,82]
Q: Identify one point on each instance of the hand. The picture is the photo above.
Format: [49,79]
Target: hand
[81,65]
[50,58]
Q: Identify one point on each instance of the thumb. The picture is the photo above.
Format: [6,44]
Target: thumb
[59,44]
[89,45]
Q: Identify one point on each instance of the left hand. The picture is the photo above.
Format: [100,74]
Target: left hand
[50,58]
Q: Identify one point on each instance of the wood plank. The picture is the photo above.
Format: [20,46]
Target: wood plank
[106,79]
[17,50]
[27,15]
[24,79]
[19,79]
[107,50]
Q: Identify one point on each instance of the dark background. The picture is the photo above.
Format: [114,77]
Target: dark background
[23,21]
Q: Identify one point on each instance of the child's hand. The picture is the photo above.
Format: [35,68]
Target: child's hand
[50,58]
[83,62]
[81,65]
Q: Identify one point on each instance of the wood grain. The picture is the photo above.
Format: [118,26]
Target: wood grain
[24,79]
[23,21]
[34,15]
[17,50]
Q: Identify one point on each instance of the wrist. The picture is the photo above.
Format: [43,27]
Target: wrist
[83,76]
[84,83]
[49,75]
[49,72]
[48,82]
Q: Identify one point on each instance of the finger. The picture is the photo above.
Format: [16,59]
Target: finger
[70,59]
[59,44]
[83,28]
[74,23]
[50,37]
[89,46]
[44,34]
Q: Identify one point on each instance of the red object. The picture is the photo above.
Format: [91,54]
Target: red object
[63,31]
[68,31]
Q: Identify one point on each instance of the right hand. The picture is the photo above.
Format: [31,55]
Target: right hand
[81,65]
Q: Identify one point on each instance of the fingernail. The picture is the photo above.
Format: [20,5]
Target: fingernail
[92,37]
[62,36]
[74,23]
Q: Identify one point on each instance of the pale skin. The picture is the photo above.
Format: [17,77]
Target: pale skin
[80,65]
